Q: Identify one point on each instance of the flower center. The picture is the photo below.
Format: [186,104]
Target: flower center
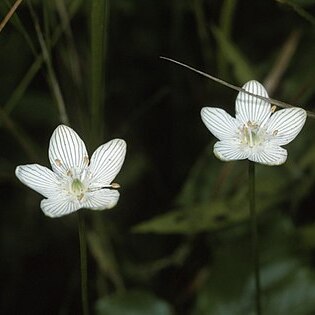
[252,134]
[77,189]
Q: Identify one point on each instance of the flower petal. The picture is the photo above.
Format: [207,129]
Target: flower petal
[66,151]
[38,178]
[229,150]
[270,155]
[59,206]
[250,108]
[221,124]
[102,199]
[106,162]
[285,125]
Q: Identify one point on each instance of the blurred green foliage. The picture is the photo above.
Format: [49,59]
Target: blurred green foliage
[178,241]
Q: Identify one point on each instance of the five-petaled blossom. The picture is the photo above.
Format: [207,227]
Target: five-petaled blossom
[257,132]
[75,182]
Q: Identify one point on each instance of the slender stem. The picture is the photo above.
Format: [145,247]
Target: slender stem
[82,237]
[236,88]
[52,78]
[9,14]
[100,10]
[253,220]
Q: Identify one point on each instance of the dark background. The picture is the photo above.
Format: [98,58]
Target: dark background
[178,241]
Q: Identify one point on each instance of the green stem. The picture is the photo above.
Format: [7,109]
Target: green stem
[82,237]
[99,26]
[253,220]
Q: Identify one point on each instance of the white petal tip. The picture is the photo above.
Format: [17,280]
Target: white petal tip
[17,171]
[219,156]
[112,204]
[120,142]
[203,110]
[255,87]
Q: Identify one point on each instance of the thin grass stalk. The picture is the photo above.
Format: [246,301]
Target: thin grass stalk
[83,265]
[24,141]
[226,19]
[236,88]
[99,21]
[73,54]
[17,23]
[254,235]
[35,67]
[299,10]
[50,70]
[203,32]
[9,14]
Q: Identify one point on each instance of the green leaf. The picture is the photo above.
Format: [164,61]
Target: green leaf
[216,209]
[132,303]
[195,219]
[288,286]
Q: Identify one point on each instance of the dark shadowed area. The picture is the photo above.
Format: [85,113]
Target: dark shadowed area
[178,241]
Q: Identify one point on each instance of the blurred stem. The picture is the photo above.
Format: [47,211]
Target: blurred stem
[226,19]
[282,62]
[73,54]
[299,10]
[101,248]
[99,20]
[20,135]
[35,67]
[203,32]
[253,220]
[51,73]
[82,238]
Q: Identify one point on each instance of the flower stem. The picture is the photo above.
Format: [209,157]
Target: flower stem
[253,220]
[82,238]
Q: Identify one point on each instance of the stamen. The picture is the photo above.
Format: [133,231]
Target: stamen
[111,186]
[249,131]
[86,160]
[273,108]
[275,133]
[115,186]
[58,162]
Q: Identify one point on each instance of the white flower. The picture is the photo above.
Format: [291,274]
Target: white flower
[256,133]
[75,182]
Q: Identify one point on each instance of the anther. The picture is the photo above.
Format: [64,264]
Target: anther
[115,186]
[86,160]
[58,162]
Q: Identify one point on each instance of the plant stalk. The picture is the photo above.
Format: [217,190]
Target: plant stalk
[83,257]
[254,234]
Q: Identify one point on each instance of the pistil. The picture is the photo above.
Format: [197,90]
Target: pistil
[77,189]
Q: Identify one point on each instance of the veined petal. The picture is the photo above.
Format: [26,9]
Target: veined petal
[229,150]
[59,206]
[67,150]
[106,162]
[221,124]
[102,199]
[270,155]
[38,178]
[285,125]
[250,108]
